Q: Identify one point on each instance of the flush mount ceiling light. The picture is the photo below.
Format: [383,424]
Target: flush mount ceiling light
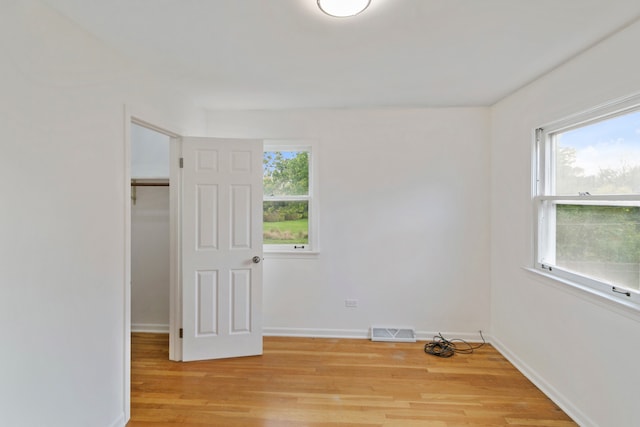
[343,8]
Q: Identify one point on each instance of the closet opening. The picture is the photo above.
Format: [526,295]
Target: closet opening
[150,230]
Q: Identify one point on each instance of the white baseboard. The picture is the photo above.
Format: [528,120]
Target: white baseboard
[360,334]
[119,422]
[154,328]
[319,333]
[473,337]
[315,333]
[552,393]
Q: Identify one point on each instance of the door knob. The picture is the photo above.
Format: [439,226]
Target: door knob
[256,259]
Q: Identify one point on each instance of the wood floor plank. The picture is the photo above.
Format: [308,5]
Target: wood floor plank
[330,382]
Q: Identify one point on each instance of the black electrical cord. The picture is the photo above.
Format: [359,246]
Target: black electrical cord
[442,347]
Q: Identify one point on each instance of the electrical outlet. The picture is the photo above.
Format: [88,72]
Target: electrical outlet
[351,303]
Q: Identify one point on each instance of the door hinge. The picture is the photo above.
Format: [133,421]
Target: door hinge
[181,162]
[180,333]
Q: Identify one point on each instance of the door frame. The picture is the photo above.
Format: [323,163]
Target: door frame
[175,308]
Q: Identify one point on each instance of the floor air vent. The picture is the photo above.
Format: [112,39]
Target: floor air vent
[393,334]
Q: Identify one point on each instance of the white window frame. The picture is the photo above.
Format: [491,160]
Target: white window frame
[312,248]
[543,176]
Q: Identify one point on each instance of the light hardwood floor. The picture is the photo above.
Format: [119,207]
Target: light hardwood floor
[333,382]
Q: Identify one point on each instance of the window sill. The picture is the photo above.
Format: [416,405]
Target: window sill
[291,254]
[604,299]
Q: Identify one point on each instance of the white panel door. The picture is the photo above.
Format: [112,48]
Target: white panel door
[221,248]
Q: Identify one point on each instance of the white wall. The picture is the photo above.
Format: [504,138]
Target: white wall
[582,352]
[62,228]
[404,225]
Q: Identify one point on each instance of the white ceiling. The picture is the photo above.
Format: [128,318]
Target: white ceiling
[274,54]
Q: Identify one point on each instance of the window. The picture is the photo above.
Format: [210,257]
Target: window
[288,198]
[587,199]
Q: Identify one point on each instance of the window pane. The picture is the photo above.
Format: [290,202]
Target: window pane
[602,242]
[600,158]
[285,222]
[286,173]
